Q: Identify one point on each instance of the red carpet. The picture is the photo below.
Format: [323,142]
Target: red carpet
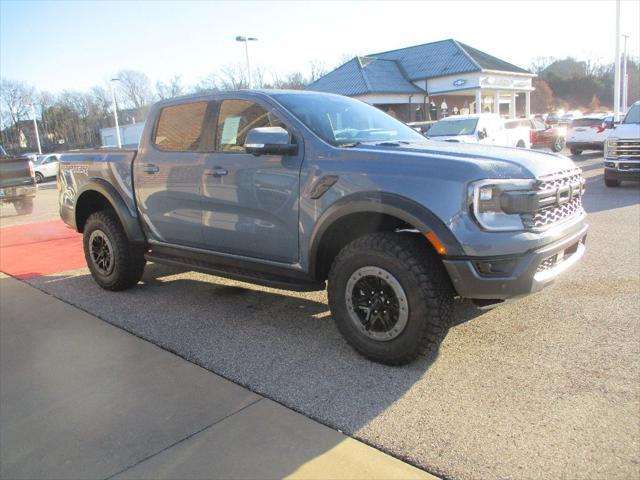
[37,249]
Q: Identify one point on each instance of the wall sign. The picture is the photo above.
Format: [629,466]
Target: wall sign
[459,82]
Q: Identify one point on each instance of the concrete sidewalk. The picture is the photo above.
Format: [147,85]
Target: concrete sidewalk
[80,398]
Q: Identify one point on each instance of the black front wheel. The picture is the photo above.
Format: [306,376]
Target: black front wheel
[611,182]
[558,144]
[390,297]
[575,151]
[39,177]
[114,262]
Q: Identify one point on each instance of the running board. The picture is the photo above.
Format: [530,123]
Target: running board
[238,273]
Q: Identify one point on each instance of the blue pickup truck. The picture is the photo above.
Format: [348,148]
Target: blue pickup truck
[297,190]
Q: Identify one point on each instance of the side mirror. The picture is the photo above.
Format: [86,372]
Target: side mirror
[269,141]
[482,134]
[608,124]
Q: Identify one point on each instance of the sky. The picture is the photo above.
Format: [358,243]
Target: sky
[60,45]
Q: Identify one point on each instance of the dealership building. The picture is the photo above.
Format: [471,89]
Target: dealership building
[427,82]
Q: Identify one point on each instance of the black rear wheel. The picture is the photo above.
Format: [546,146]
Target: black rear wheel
[575,151]
[39,177]
[24,206]
[114,262]
[390,297]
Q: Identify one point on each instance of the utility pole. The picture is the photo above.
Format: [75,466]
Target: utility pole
[625,76]
[616,81]
[115,111]
[35,128]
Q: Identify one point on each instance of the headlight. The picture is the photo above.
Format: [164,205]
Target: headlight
[495,211]
[610,147]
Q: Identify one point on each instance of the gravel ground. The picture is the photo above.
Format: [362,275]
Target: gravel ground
[545,387]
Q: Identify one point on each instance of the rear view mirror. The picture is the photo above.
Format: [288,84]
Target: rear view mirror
[269,141]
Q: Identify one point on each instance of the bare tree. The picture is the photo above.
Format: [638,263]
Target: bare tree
[317,69]
[173,88]
[538,64]
[232,77]
[15,100]
[135,87]
[207,84]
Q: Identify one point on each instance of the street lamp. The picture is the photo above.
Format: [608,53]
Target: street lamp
[246,41]
[115,111]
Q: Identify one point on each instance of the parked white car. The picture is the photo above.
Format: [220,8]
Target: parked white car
[46,167]
[588,133]
[483,128]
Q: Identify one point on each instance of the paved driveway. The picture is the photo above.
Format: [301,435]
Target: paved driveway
[546,387]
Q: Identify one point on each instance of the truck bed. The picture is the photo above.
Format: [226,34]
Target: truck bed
[107,166]
[14,171]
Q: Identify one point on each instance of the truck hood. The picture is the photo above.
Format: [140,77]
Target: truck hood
[626,131]
[455,139]
[491,161]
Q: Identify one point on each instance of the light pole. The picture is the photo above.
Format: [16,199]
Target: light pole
[616,81]
[246,41]
[624,76]
[35,128]
[115,111]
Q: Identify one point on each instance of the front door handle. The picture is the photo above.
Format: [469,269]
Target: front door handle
[217,172]
[150,168]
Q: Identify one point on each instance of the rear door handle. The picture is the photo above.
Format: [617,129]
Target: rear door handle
[150,168]
[217,172]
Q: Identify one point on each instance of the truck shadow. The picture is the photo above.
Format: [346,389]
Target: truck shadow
[279,344]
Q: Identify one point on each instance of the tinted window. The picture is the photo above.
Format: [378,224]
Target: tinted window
[587,122]
[236,118]
[446,128]
[539,125]
[180,127]
[341,120]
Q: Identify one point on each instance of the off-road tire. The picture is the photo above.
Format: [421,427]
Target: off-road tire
[24,206]
[128,259]
[558,144]
[611,182]
[575,151]
[424,280]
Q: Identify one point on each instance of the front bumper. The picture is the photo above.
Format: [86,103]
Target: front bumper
[621,169]
[530,272]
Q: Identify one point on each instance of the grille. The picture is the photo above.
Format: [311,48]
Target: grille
[557,212]
[625,148]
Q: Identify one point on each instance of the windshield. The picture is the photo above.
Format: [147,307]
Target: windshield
[342,120]
[633,115]
[465,126]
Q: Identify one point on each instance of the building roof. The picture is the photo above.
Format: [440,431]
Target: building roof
[362,75]
[393,71]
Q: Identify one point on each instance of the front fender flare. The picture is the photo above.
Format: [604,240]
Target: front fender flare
[394,205]
[129,222]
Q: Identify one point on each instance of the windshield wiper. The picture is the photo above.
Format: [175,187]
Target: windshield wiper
[348,145]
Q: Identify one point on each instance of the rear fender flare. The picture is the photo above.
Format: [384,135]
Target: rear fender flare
[129,222]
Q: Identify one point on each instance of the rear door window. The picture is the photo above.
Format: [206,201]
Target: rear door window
[235,120]
[179,127]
